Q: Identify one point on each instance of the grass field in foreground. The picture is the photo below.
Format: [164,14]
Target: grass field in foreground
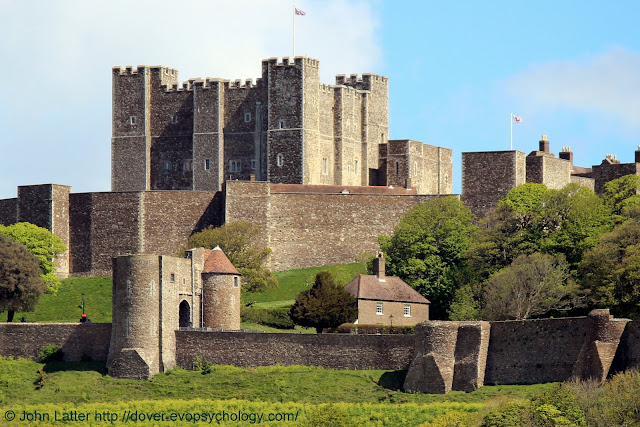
[31,383]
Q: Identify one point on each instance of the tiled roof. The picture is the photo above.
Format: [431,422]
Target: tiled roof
[215,261]
[391,289]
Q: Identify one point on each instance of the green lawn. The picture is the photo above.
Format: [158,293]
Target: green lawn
[292,282]
[64,305]
[27,382]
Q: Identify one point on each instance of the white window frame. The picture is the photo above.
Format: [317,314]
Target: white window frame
[133,120]
[281,124]
[407,310]
[247,117]
[207,164]
[280,160]
[379,309]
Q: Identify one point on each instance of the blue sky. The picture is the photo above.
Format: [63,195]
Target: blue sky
[570,69]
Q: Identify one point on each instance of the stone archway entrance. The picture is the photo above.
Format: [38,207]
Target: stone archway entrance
[184,314]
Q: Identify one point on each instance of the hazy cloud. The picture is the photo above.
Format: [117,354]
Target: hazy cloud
[607,84]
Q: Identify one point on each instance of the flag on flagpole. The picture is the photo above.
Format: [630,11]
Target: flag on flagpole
[299,12]
[517,119]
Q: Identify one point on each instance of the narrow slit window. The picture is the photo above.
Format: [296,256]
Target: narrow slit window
[280,159]
[207,164]
[325,168]
[397,168]
[281,124]
[174,119]
[236,282]
[247,117]
[132,120]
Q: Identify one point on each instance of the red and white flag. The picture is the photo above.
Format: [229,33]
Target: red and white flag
[517,119]
[299,12]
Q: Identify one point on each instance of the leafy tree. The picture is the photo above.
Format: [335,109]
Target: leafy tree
[611,271]
[20,281]
[427,248]
[533,285]
[465,305]
[43,244]
[241,242]
[325,305]
[622,193]
[535,219]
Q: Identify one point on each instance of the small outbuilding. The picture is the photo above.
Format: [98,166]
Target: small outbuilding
[387,300]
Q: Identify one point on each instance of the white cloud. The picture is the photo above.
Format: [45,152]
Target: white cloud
[55,96]
[607,84]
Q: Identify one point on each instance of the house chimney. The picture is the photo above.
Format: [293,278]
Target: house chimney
[378,266]
[544,144]
[638,154]
[567,154]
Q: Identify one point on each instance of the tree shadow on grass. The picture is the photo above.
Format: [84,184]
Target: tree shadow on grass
[392,380]
[99,366]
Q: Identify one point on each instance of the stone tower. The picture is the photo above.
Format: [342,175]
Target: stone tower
[154,295]
[220,291]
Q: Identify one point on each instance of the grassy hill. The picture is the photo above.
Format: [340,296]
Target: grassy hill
[367,397]
[65,305]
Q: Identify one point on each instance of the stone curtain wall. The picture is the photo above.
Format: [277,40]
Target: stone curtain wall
[306,229]
[331,351]
[534,351]
[104,225]
[77,340]
[554,173]
[488,176]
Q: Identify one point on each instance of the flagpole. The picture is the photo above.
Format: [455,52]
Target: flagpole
[511,123]
[293,19]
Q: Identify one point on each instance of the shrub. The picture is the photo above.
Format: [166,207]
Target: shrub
[201,364]
[362,329]
[50,353]
[274,317]
[509,414]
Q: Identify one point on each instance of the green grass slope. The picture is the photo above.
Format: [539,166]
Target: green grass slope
[64,305]
[292,282]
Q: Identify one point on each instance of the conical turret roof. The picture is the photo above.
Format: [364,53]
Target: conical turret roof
[215,261]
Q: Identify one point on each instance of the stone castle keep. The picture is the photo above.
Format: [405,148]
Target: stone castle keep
[312,165]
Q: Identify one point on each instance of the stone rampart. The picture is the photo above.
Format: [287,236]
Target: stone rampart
[77,340]
[332,351]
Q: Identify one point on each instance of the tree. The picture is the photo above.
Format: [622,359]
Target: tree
[533,285]
[43,244]
[325,305]
[611,271]
[465,305]
[622,193]
[241,242]
[20,281]
[427,248]
[534,219]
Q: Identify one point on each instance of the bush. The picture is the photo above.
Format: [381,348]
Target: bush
[201,364]
[362,329]
[274,317]
[509,414]
[50,353]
